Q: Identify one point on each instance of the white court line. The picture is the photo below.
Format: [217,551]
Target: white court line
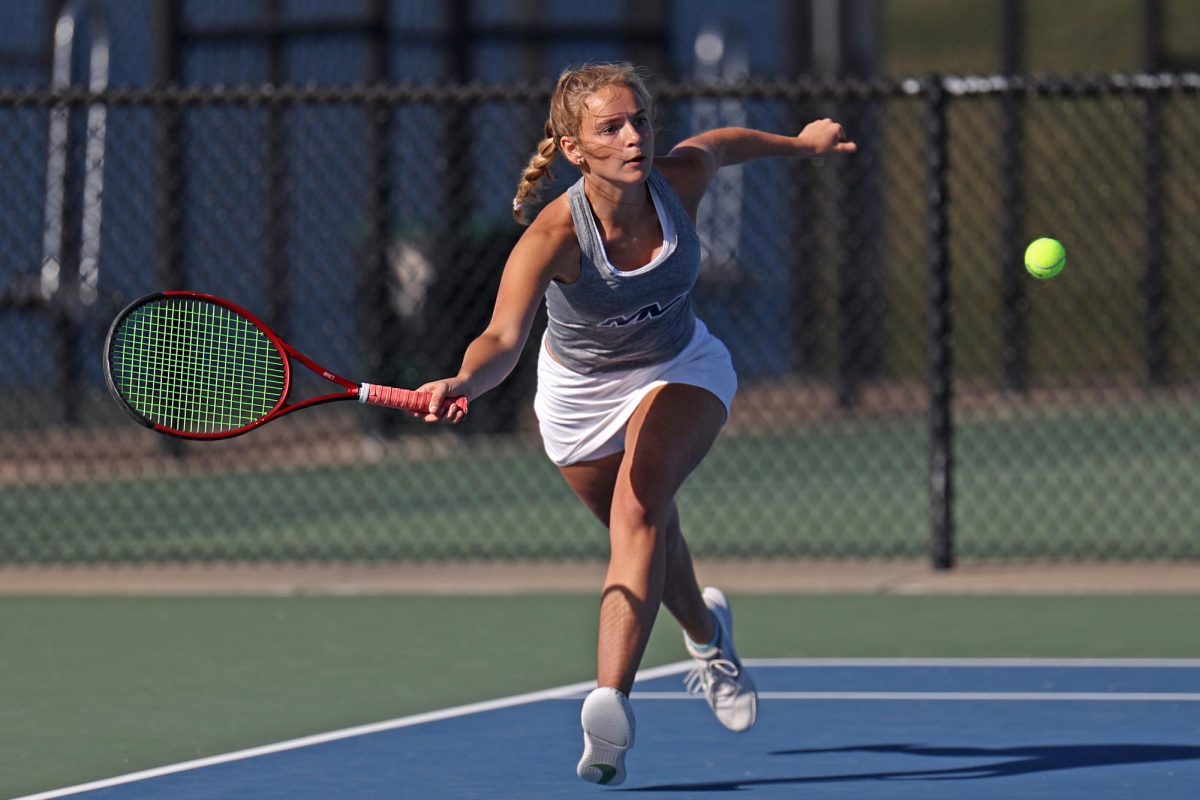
[1040,697]
[576,690]
[561,692]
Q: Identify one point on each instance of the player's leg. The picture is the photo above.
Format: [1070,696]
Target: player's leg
[608,721]
[593,483]
[705,617]
[681,591]
[634,493]
[666,438]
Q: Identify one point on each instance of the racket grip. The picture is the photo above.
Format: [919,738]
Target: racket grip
[404,399]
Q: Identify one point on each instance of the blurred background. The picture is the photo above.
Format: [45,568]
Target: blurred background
[345,169]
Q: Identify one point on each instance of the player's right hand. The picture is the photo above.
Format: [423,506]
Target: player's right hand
[439,391]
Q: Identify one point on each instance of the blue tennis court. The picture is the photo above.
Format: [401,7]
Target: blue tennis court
[879,728]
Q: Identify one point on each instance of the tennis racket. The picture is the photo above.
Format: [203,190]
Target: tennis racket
[199,367]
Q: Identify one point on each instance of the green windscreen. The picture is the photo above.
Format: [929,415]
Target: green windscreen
[194,367]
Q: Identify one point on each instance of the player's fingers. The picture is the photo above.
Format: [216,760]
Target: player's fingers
[437,394]
[444,412]
[846,147]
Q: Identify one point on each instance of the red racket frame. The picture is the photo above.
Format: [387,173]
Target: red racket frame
[369,393]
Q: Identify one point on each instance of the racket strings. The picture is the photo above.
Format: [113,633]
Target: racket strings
[195,366]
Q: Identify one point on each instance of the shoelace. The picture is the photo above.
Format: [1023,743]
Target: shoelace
[712,676]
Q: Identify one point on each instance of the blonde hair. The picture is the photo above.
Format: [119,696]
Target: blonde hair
[566,117]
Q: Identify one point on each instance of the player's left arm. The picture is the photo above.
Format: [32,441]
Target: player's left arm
[692,164]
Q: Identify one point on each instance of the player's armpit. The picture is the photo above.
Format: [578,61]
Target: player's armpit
[690,168]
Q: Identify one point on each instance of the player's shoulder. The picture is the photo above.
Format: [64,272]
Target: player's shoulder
[553,227]
[550,241]
[689,172]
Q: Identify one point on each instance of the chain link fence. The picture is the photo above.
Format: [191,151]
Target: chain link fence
[906,389]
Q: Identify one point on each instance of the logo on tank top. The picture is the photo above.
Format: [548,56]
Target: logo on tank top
[652,311]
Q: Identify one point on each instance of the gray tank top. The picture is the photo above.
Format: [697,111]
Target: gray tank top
[609,319]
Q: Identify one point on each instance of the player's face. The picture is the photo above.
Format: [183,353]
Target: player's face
[615,136]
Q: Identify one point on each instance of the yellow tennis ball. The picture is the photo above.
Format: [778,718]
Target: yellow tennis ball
[1045,258]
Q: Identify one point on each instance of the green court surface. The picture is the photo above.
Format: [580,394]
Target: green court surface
[100,686]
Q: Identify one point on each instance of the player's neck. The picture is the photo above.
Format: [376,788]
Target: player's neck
[617,207]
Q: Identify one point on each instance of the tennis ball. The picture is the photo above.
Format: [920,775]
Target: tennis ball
[1045,258]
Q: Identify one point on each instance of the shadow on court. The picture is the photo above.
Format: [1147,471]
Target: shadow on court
[1009,762]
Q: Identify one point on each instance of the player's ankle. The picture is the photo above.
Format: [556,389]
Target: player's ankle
[707,644]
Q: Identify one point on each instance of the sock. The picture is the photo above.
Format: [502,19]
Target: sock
[716,638]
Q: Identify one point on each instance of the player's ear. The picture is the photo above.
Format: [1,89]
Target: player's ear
[570,150]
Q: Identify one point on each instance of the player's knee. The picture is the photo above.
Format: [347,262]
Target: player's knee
[632,514]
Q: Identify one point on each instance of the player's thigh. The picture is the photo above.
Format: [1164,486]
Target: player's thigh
[668,436]
[593,482]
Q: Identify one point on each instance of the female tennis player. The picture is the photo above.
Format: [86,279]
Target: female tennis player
[632,387]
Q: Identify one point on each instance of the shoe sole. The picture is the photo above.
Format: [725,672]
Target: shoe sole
[607,721]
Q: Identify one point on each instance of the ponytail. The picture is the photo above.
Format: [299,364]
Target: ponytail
[538,168]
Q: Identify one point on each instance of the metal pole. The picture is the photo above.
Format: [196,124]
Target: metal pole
[276,234]
[802,254]
[859,278]
[70,257]
[941,330]
[169,176]
[1154,277]
[93,163]
[382,327]
[169,165]
[1014,303]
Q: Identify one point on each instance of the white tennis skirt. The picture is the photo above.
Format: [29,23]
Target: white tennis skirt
[583,417]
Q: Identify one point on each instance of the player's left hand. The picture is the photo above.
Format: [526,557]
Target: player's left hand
[824,136]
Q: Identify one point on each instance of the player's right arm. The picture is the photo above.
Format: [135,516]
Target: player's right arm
[548,250]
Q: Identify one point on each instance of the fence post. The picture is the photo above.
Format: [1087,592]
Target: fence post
[1154,278]
[276,233]
[168,167]
[383,333]
[1012,194]
[941,363]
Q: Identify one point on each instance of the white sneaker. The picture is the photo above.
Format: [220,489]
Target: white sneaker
[608,729]
[718,673]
